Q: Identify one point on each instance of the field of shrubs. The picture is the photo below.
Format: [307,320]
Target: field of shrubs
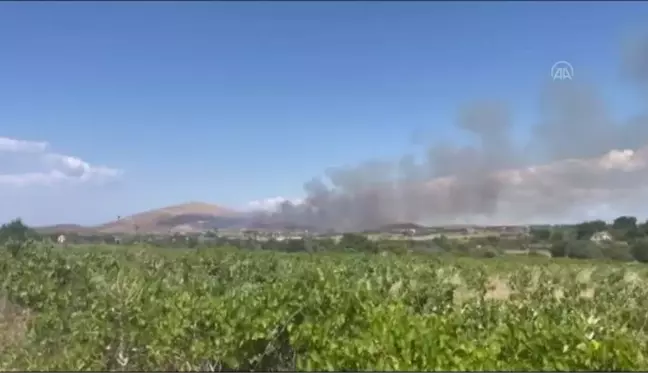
[130,308]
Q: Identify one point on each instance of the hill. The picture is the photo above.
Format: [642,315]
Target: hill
[187,217]
[65,228]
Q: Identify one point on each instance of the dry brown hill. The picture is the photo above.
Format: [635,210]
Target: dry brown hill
[164,219]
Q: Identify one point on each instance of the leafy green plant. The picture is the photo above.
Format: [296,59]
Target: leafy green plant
[103,308]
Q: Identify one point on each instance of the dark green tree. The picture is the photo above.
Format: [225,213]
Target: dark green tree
[294,246]
[558,249]
[585,230]
[540,234]
[642,229]
[617,251]
[625,228]
[583,249]
[639,250]
[492,240]
[324,244]
[16,231]
[357,242]
[625,223]
[15,235]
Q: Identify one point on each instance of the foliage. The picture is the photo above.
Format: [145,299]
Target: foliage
[557,236]
[583,249]
[625,228]
[541,234]
[585,230]
[640,250]
[617,251]
[15,235]
[110,308]
[625,223]
[318,304]
[15,230]
[558,248]
[357,242]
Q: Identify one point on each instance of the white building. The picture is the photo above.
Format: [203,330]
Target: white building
[603,236]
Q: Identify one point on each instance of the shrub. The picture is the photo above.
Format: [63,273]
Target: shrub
[583,249]
[236,310]
[617,251]
[558,248]
[639,250]
[16,230]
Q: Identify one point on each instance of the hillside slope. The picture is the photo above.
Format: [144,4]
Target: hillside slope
[193,216]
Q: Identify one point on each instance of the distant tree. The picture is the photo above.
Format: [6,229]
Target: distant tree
[625,228]
[16,231]
[583,249]
[492,240]
[309,245]
[324,244]
[192,242]
[639,250]
[15,234]
[272,245]
[294,246]
[357,242]
[617,251]
[642,229]
[558,249]
[585,230]
[625,223]
[444,243]
[540,234]
[558,235]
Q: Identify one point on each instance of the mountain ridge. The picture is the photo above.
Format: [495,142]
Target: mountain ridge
[185,217]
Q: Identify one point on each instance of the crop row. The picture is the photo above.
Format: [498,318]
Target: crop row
[234,310]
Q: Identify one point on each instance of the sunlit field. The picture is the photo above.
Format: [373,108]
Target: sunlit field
[108,308]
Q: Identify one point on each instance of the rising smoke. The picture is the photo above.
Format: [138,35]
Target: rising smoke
[584,161]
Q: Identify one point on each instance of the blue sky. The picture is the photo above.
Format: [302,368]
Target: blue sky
[228,102]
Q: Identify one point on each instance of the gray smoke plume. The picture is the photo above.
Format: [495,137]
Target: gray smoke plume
[579,161]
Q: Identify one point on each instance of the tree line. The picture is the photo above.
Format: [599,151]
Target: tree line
[622,239]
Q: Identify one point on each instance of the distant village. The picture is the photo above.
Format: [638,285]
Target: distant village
[405,231]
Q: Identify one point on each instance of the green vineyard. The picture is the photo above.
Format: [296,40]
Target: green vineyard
[103,308]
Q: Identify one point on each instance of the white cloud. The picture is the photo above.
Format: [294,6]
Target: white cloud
[21,146]
[27,163]
[271,204]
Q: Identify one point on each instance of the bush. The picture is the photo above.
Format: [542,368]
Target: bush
[16,230]
[617,251]
[583,249]
[487,252]
[540,234]
[357,242]
[397,247]
[15,236]
[235,310]
[558,249]
[444,243]
[639,250]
